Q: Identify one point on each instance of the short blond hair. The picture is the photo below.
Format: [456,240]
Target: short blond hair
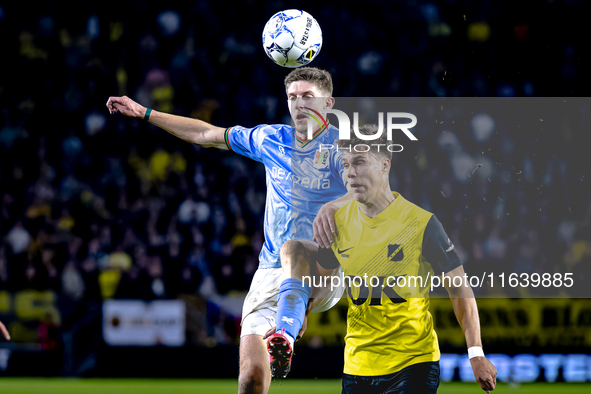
[320,78]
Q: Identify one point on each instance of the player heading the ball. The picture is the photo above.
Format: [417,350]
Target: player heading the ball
[291,207]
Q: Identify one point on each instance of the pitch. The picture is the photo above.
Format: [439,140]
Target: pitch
[228,386]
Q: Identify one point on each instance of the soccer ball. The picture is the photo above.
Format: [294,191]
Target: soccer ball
[292,38]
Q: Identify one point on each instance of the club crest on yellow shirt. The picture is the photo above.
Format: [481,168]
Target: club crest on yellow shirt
[395,252]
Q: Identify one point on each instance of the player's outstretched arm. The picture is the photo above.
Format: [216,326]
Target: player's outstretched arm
[466,311]
[324,226]
[4,331]
[191,130]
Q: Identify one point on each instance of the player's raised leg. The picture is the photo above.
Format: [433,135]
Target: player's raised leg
[296,298]
[292,302]
[255,375]
[294,293]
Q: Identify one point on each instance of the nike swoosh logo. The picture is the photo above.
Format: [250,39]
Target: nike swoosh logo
[344,250]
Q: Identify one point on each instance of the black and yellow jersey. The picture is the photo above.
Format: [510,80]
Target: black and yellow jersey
[384,259]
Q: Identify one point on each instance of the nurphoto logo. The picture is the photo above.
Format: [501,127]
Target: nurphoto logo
[345,130]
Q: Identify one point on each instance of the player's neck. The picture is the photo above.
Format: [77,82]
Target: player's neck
[303,136]
[378,204]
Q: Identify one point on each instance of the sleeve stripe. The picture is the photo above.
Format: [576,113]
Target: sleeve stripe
[226,140]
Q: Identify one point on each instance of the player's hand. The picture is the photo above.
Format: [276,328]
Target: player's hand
[126,106]
[271,331]
[485,373]
[324,226]
[4,331]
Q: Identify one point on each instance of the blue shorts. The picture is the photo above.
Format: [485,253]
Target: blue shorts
[422,378]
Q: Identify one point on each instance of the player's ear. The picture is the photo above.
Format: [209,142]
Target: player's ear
[329,102]
[386,165]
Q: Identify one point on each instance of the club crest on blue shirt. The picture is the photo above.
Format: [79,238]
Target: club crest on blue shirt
[320,159]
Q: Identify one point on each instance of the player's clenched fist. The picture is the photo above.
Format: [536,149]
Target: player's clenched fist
[126,106]
[485,373]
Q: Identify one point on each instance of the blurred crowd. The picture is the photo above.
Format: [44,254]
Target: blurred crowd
[94,206]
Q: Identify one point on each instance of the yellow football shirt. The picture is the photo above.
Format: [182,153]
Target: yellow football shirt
[389,326]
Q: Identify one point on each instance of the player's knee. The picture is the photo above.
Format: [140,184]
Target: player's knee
[294,259]
[292,252]
[251,379]
[286,249]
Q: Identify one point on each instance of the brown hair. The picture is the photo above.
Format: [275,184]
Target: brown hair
[320,78]
[378,147]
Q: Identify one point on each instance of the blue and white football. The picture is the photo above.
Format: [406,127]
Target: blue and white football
[292,38]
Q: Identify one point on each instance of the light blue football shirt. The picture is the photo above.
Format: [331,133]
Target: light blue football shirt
[300,179]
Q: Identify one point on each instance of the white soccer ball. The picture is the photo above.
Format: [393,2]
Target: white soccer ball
[292,38]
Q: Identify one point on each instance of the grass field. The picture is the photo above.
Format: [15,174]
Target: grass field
[164,386]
